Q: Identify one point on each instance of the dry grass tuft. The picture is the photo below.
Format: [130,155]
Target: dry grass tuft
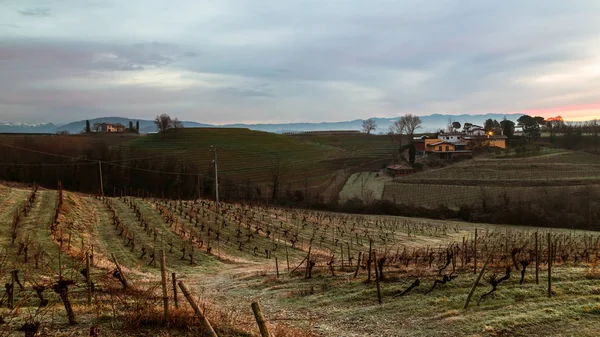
[593,309]
[593,273]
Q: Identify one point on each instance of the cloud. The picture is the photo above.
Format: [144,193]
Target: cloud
[39,12]
[237,60]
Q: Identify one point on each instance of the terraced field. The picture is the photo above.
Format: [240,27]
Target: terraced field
[469,182]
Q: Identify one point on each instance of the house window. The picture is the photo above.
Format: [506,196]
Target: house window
[447,148]
[440,148]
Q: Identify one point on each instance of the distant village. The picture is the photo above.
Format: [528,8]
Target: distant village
[449,145]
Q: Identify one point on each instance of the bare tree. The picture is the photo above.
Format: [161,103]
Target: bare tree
[163,122]
[97,127]
[409,124]
[396,131]
[369,125]
[177,124]
[449,126]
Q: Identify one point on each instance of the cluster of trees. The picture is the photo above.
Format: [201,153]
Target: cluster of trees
[97,127]
[164,122]
[531,126]
[572,132]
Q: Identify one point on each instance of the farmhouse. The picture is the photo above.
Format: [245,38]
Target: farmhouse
[475,131]
[447,146]
[107,127]
[399,170]
[450,145]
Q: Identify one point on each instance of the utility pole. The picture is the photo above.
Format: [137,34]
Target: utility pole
[101,183]
[214,149]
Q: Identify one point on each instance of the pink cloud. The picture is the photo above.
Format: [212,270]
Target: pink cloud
[572,112]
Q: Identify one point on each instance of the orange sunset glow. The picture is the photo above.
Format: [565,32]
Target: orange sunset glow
[569,113]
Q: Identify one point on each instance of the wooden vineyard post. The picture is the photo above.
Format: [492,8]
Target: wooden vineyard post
[88,278]
[60,258]
[307,262]
[475,253]
[277,266]
[369,260]
[287,258]
[477,280]
[260,320]
[549,265]
[174,277]
[537,260]
[122,276]
[208,330]
[464,253]
[101,183]
[358,264]
[163,276]
[377,278]
[10,290]
[342,252]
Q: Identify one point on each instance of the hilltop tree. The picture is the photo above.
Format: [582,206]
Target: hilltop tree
[467,126]
[369,125]
[88,129]
[531,126]
[508,127]
[130,128]
[97,127]
[177,124]
[408,123]
[163,122]
[555,124]
[137,127]
[456,126]
[491,125]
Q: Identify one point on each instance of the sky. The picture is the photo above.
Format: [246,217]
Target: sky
[266,61]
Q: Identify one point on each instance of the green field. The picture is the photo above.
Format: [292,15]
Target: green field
[356,148]
[242,153]
[249,162]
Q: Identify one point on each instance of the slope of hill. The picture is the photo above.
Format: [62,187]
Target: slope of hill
[243,154]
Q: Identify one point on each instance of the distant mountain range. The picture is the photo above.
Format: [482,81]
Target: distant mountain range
[430,123]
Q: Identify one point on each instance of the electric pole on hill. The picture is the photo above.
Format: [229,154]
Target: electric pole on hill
[101,183]
[214,150]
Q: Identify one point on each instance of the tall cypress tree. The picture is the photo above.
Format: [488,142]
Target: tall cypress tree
[87,126]
[137,126]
